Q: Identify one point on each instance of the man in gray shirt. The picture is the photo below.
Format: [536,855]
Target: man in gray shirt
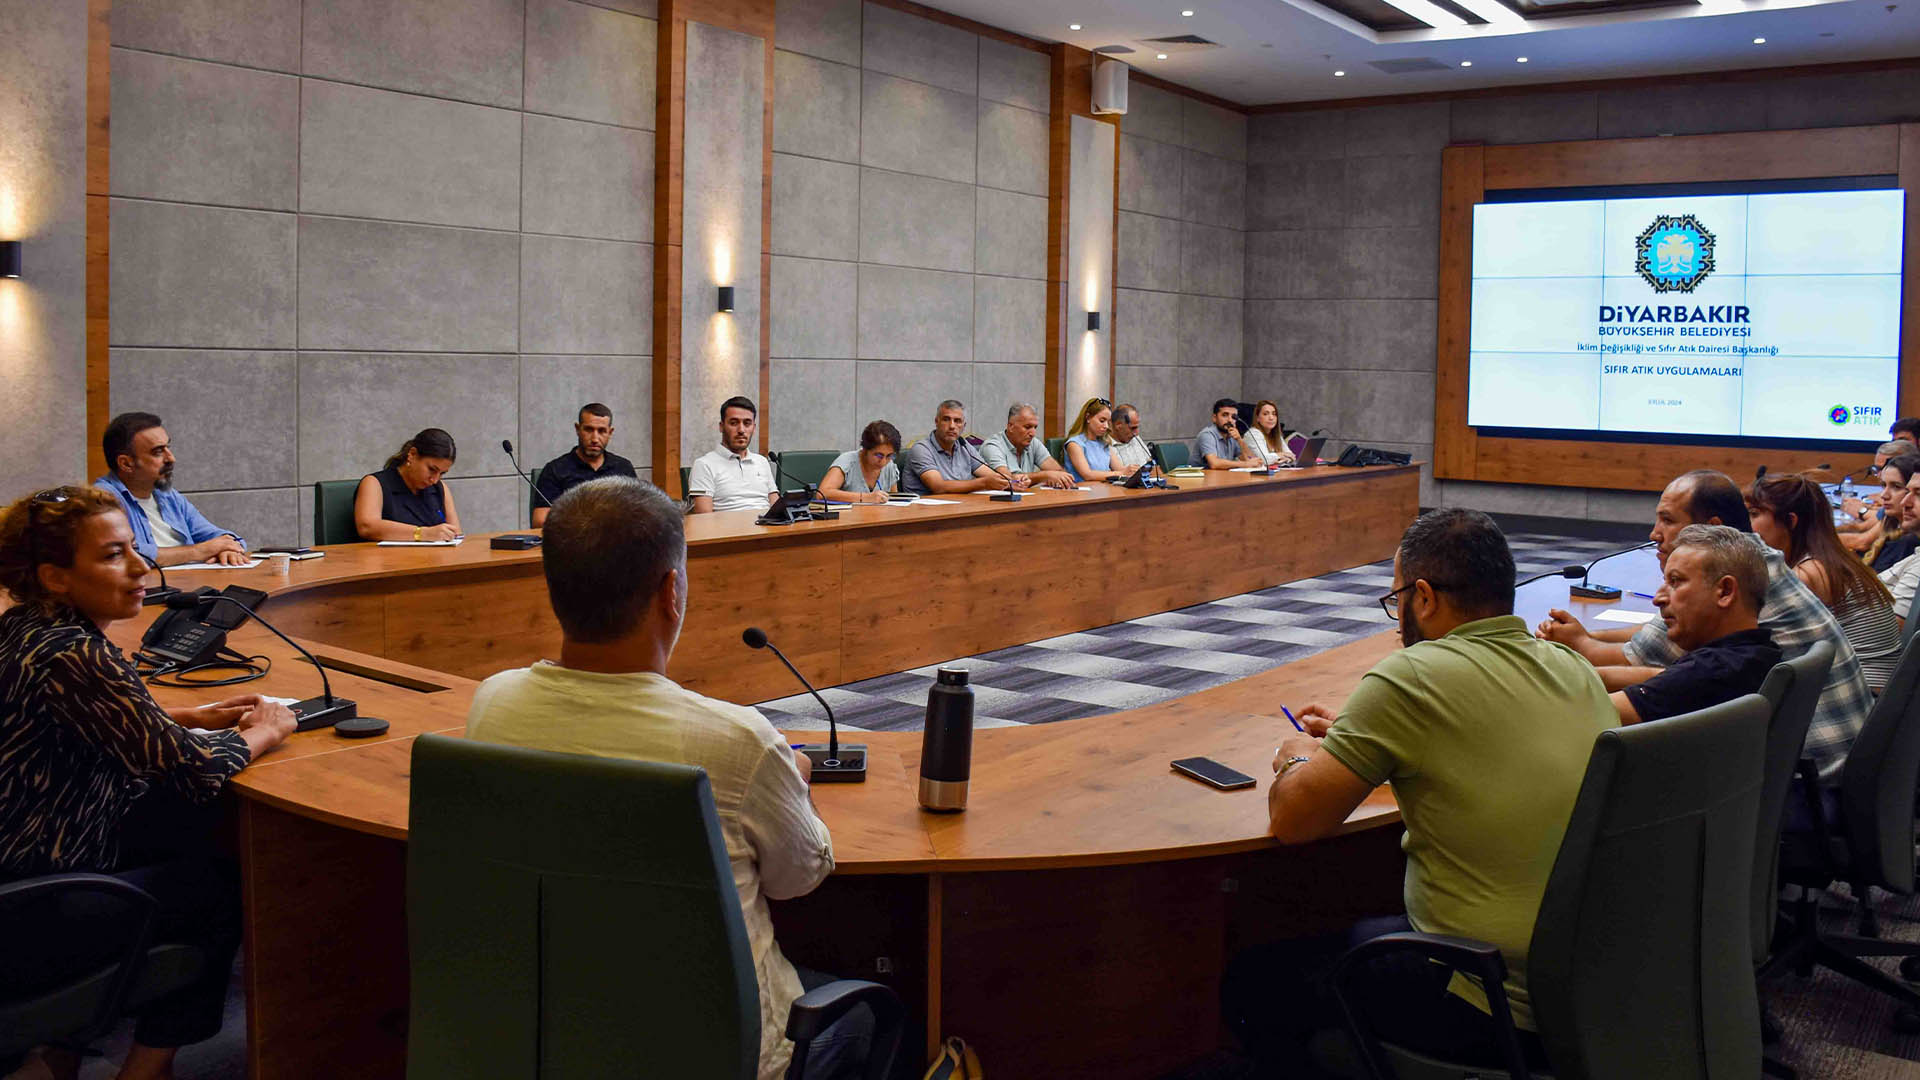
[1220,446]
[944,464]
[1019,451]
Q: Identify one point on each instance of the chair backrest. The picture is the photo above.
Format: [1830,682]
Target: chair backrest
[1641,962]
[799,467]
[333,512]
[1792,690]
[1910,624]
[1171,455]
[565,913]
[40,1004]
[1057,449]
[533,492]
[686,471]
[1876,803]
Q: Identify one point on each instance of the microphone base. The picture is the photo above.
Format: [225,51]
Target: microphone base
[158,595]
[849,768]
[514,542]
[1593,592]
[316,713]
[1004,496]
[824,514]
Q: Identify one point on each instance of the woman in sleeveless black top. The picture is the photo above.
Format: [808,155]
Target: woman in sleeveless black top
[406,500]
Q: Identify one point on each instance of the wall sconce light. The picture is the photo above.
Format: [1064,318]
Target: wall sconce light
[1093,320]
[9,258]
[726,298]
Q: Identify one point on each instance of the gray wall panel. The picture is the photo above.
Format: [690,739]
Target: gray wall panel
[200,276]
[590,63]
[1146,328]
[915,315]
[904,393]
[357,408]
[209,133]
[1210,332]
[266,517]
[1015,76]
[1211,129]
[819,104]
[468,50]
[402,157]
[552,389]
[586,296]
[897,43]
[996,387]
[1153,113]
[1214,190]
[1010,234]
[828,29]
[915,221]
[1151,176]
[1149,256]
[581,179]
[816,208]
[813,406]
[1009,321]
[813,308]
[1213,261]
[242,436]
[915,128]
[1013,148]
[252,33]
[380,285]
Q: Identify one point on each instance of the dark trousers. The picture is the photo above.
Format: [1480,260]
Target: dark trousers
[1277,997]
[841,1051]
[168,850]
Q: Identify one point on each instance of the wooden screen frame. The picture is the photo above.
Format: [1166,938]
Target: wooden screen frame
[1467,173]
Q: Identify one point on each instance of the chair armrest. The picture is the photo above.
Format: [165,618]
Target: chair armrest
[140,910]
[30,888]
[818,1008]
[1476,958]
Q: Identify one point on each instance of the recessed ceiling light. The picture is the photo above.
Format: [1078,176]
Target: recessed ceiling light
[1339,74]
[1428,12]
[1466,63]
[1759,41]
[1073,26]
[1160,56]
[1519,59]
[1493,11]
[1186,14]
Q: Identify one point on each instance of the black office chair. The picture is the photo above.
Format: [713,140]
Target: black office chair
[1793,689]
[567,914]
[1871,845]
[76,1007]
[1641,962]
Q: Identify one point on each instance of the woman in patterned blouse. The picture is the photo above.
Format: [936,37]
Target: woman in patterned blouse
[88,758]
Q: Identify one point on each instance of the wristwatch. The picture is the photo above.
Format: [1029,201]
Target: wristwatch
[1291,762]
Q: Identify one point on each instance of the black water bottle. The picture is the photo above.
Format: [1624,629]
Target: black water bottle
[946,746]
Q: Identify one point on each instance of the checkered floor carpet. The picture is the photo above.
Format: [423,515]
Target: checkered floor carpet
[1127,665]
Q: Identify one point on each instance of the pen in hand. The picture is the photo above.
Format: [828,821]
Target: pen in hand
[1296,723]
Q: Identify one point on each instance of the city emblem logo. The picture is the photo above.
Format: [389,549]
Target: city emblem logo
[1674,254]
[1839,414]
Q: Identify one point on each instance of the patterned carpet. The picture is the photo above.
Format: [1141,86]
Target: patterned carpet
[1131,664]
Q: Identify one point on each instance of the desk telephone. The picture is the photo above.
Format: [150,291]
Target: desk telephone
[188,635]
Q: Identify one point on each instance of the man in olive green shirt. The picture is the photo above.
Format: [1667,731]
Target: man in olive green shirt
[1484,731]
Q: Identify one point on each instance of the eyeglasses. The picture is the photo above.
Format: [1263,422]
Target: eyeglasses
[1390,603]
[49,497]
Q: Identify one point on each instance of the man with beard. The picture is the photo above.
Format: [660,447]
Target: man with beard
[588,460]
[1792,615]
[166,527]
[733,477]
[1484,732]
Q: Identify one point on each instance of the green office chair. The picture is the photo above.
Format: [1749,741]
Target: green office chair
[333,512]
[798,467]
[568,915]
[686,473]
[1871,844]
[1170,455]
[1911,624]
[1641,959]
[1057,450]
[75,1008]
[1793,689]
[534,498]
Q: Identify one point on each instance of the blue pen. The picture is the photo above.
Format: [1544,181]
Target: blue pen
[1296,723]
[1643,595]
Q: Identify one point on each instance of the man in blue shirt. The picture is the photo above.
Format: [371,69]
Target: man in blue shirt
[167,529]
[1219,446]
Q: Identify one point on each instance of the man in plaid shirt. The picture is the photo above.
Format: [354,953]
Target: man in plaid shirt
[1793,614]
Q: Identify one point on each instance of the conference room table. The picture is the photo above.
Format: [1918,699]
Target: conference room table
[1073,921]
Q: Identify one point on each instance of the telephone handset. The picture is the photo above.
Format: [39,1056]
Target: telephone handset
[193,629]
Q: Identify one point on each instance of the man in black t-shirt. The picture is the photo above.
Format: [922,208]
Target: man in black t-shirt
[1714,585]
[588,460]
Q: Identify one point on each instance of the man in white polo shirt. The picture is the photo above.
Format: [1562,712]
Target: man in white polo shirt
[733,477]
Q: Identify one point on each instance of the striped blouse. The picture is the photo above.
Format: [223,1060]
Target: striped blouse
[80,739]
[1870,627]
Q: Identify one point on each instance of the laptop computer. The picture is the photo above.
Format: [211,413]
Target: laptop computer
[1308,455]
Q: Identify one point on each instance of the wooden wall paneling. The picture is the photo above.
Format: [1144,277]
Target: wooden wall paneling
[1063,96]
[795,594]
[473,623]
[1746,155]
[850,925]
[1636,466]
[669,168]
[1910,266]
[350,617]
[323,1005]
[99,155]
[1462,186]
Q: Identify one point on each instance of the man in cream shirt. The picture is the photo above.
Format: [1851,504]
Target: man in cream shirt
[733,477]
[616,566]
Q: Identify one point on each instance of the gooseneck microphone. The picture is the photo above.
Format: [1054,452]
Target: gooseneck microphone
[1568,572]
[830,763]
[323,711]
[165,592]
[507,445]
[1586,591]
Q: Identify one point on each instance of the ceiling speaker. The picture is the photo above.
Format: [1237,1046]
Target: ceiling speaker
[1109,87]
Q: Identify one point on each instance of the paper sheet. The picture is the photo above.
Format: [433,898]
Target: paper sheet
[422,543]
[1632,618]
[924,501]
[248,565]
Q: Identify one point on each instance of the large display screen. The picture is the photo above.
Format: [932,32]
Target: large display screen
[1747,316]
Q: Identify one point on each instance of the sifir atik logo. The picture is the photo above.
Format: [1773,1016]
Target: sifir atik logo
[1841,415]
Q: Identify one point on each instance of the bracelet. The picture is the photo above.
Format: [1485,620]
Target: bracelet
[1291,762]
[416,533]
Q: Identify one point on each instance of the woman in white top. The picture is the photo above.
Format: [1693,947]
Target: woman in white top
[867,474]
[1264,436]
[1130,451]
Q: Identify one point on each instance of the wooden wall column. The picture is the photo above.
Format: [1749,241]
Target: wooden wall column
[1072,95]
[99,97]
[753,17]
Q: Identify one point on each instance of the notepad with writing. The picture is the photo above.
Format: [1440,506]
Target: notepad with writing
[1621,615]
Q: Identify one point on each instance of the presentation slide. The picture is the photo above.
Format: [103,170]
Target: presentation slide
[1758,315]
